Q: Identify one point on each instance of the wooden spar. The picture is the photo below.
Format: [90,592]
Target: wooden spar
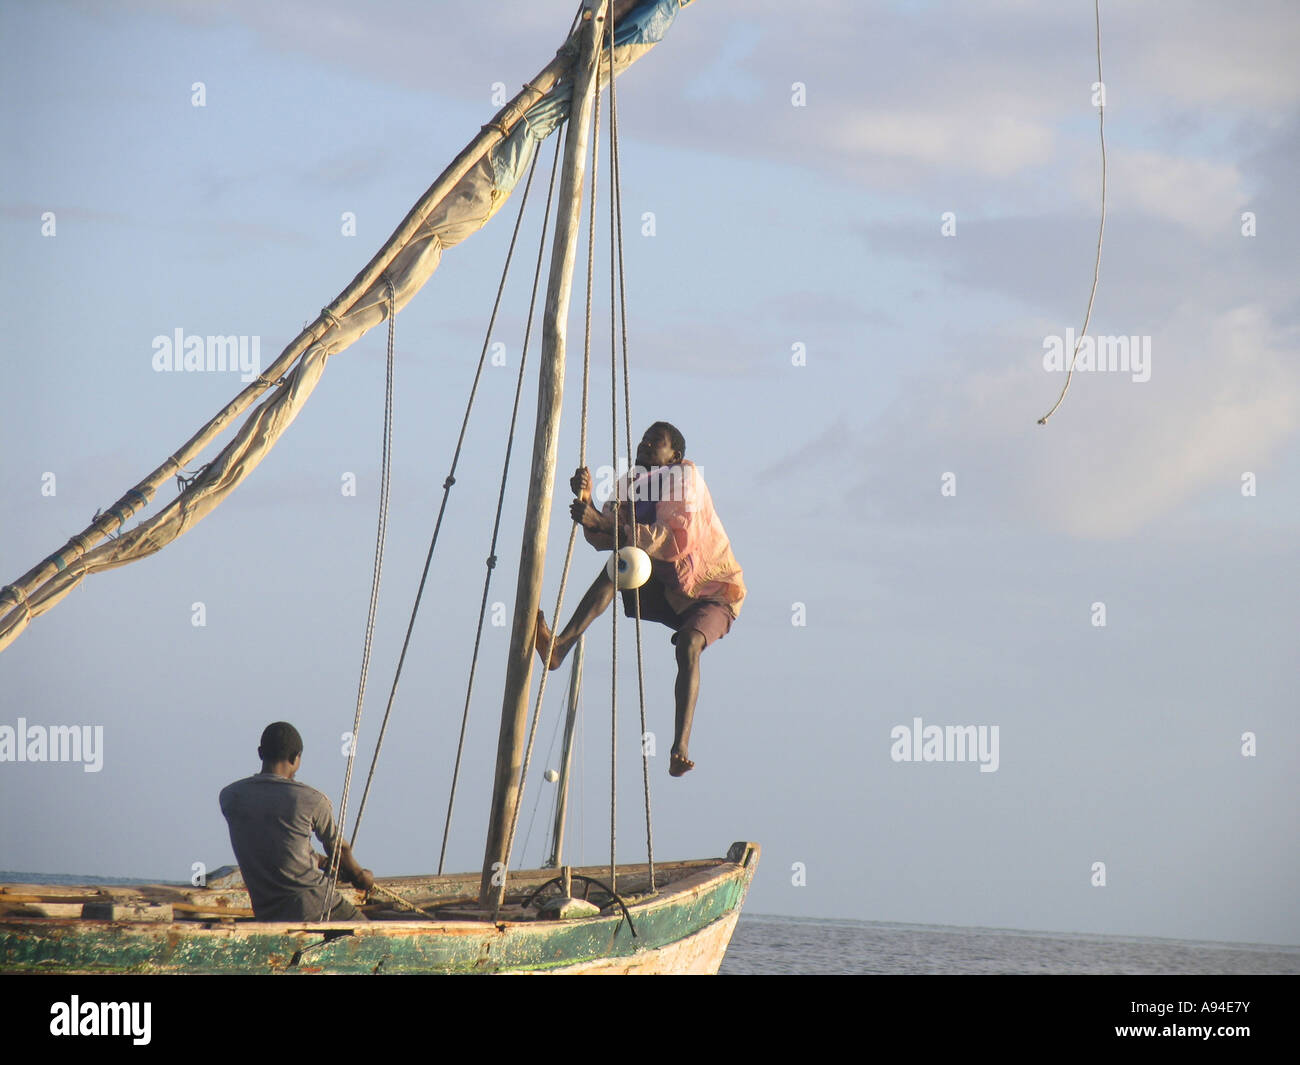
[116,516]
[566,759]
[537,516]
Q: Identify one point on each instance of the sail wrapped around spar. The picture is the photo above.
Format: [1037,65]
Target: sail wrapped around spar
[460,202]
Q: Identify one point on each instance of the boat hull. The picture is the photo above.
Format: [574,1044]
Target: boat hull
[685,928]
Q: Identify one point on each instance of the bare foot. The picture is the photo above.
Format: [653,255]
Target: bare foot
[679,764]
[542,641]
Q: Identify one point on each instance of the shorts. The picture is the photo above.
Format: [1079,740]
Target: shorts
[710,618]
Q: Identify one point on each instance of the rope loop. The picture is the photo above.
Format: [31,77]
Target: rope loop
[185,482]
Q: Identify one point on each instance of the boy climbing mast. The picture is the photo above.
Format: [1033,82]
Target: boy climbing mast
[695,586]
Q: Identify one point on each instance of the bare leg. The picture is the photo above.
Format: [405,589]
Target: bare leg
[689,645]
[592,605]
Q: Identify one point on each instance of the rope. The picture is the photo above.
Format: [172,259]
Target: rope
[618,514]
[550,752]
[573,529]
[442,508]
[401,902]
[501,495]
[1096,270]
[380,535]
[616,224]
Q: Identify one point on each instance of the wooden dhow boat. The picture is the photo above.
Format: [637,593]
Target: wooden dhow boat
[682,926]
[642,918]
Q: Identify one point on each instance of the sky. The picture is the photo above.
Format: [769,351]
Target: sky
[852,232]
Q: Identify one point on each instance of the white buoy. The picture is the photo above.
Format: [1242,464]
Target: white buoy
[633,567]
[552,776]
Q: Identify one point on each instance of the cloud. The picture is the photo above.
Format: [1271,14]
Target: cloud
[1000,146]
[30,212]
[1223,398]
[1230,398]
[831,443]
[1198,194]
[1210,53]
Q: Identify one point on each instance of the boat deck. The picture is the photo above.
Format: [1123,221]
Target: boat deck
[682,925]
[451,897]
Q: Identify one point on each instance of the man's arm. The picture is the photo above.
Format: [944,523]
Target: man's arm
[600,532]
[328,833]
[597,525]
[349,868]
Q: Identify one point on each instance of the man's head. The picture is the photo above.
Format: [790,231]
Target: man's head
[662,445]
[281,746]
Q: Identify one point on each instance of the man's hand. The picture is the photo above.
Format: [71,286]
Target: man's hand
[365,880]
[580,482]
[589,517]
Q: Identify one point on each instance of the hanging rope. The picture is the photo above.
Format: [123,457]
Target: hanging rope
[442,508]
[573,529]
[575,682]
[380,536]
[616,244]
[618,517]
[1096,270]
[501,496]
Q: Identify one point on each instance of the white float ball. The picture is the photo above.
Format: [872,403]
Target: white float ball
[633,567]
[552,775]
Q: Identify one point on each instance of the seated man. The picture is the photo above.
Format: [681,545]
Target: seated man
[695,586]
[271,818]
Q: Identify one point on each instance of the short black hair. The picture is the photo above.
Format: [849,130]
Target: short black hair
[674,437]
[280,742]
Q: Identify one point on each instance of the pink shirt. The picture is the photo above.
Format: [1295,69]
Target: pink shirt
[686,542]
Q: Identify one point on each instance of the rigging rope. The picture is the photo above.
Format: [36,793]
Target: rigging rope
[380,536]
[573,529]
[618,517]
[616,255]
[616,225]
[1096,270]
[501,495]
[442,508]
[550,753]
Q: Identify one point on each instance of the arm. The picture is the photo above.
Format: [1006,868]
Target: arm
[327,832]
[350,869]
[597,536]
[597,526]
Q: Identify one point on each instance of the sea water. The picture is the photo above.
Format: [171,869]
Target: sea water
[795,945]
[806,946]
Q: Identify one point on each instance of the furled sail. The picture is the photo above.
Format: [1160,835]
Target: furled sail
[458,204]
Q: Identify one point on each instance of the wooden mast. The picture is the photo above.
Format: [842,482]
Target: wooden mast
[550,395]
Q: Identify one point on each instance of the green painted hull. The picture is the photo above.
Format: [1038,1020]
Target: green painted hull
[684,927]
